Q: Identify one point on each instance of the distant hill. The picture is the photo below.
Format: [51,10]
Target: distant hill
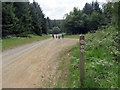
[54,23]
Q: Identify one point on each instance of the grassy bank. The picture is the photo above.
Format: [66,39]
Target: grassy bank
[73,36]
[101,61]
[0,44]
[16,41]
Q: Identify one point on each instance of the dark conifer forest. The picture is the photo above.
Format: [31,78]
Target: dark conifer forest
[91,18]
[22,18]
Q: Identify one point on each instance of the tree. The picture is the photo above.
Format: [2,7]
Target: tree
[44,24]
[95,21]
[88,9]
[86,22]
[74,22]
[116,14]
[80,22]
[48,22]
[24,26]
[56,30]
[22,18]
[9,19]
[108,13]
[36,18]
[96,7]
[0,20]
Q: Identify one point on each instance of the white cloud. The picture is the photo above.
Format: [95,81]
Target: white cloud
[56,9]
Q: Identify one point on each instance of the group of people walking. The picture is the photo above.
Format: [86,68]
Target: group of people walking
[58,36]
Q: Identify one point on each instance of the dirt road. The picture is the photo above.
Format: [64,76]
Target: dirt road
[33,65]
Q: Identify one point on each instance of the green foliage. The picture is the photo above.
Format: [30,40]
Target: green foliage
[73,22]
[77,36]
[107,13]
[95,20]
[88,9]
[101,62]
[22,18]
[55,30]
[78,21]
[23,26]
[54,23]
[12,42]
[8,19]
[96,7]
[91,18]
[36,14]
[116,13]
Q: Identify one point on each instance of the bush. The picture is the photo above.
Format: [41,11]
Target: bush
[55,30]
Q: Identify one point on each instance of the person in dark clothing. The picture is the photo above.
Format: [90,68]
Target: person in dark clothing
[62,36]
[53,36]
[56,36]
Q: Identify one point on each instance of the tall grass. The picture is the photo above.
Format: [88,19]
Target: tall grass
[0,44]
[72,36]
[101,62]
[17,41]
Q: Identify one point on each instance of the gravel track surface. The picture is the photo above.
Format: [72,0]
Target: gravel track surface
[33,65]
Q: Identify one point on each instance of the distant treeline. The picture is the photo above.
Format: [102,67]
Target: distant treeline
[22,18]
[91,18]
[54,23]
[54,26]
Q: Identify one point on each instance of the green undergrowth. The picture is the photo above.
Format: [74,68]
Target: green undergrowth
[72,36]
[17,41]
[101,61]
[0,44]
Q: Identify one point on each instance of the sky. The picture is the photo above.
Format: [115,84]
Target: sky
[56,9]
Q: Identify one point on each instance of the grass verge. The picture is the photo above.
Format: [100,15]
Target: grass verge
[63,69]
[73,36]
[0,44]
[17,41]
[101,62]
